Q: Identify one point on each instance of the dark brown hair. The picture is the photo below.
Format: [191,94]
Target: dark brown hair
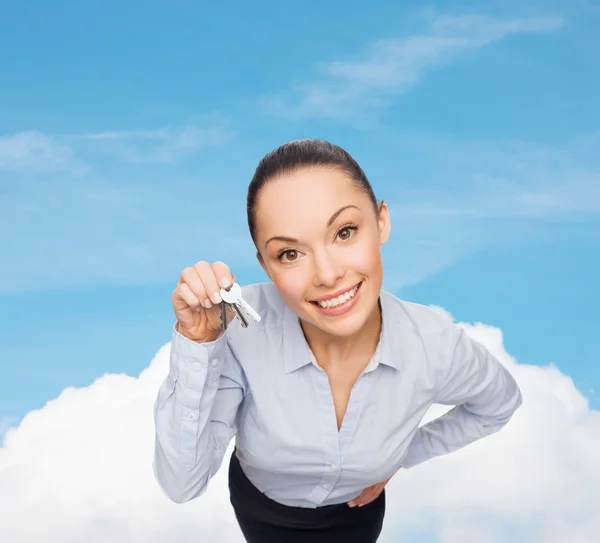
[298,154]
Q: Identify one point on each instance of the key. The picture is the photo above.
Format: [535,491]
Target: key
[232,307]
[239,315]
[224,316]
[233,296]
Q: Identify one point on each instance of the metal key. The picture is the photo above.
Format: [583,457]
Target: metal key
[233,296]
[224,316]
[239,315]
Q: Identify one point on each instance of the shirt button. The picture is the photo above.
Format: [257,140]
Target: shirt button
[332,467]
[214,362]
[196,366]
[191,416]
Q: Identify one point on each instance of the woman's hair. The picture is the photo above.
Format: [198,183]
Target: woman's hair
[299,154]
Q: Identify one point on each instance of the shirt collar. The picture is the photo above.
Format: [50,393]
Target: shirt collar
[393,321]
[298,353]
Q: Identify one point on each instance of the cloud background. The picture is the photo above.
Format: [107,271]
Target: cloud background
[127,139]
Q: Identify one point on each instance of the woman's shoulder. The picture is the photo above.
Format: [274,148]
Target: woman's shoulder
[423,319]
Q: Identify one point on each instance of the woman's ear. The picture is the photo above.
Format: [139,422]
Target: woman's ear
[383,222]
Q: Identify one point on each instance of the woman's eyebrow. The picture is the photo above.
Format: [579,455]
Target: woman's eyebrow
[282,238]
[335,215]
[329,223]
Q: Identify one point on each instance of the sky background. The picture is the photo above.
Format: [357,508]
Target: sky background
[129,132]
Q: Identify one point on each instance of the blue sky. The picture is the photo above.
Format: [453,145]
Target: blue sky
[129,133]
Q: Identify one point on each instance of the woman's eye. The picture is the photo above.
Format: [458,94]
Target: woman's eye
[346,232]
[289,256]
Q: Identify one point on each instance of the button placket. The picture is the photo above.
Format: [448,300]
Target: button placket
[353,412]
[331,447]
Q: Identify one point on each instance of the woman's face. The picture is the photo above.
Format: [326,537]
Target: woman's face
[320,240]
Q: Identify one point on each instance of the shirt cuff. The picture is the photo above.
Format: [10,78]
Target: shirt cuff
[192,362]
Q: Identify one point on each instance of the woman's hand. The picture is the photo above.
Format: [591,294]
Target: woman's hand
[196,300]
[369,494]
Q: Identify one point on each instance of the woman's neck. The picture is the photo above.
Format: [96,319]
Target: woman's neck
[333,351]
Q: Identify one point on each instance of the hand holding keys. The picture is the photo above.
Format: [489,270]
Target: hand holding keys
[232,297]
[201,298]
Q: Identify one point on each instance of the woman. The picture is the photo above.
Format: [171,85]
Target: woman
[325,394]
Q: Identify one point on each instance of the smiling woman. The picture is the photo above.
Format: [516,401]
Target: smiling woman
[325,394]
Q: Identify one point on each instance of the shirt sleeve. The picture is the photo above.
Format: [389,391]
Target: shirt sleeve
[194,415]
[485,395]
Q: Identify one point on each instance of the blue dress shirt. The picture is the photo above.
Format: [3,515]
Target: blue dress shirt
[262,385]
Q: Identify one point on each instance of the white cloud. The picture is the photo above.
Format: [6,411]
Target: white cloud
[147,134]
[6,423]
[348,90]
[79,469]
[34,152]
[163,144]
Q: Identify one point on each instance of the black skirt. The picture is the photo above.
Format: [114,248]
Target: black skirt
[263,520]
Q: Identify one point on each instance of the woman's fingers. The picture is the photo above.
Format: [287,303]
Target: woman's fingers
[194,283]
[223,275]
[206,275]
[368,495]
[189,297]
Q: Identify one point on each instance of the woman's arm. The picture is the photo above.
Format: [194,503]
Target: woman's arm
[194,415]
[484,392]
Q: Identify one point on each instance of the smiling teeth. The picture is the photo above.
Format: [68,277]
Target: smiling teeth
[334,302]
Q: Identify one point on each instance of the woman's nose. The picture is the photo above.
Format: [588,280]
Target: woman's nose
[327,270]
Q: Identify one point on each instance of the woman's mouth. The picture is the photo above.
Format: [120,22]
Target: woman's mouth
[339,304]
